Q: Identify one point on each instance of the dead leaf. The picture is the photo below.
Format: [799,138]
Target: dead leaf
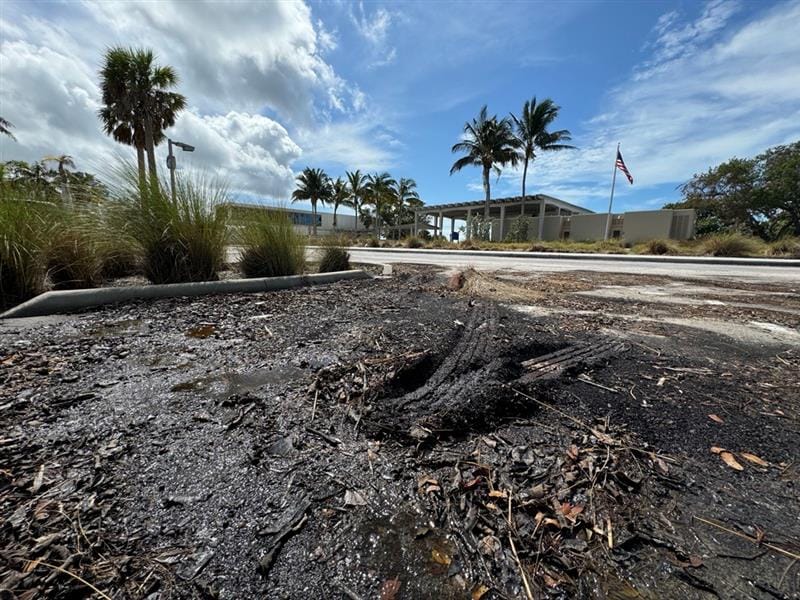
[489,545]
[498,494]
[695,561]
[573,452]
[353,498]
[730,460]
[717,449]
[390,589]
[38,480]
[754,459]
[662,465]
[479,592]
[714,417]
[440,557]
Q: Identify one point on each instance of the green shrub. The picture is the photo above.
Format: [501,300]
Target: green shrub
[414,242]
[179,240]
[786,246]
[24,231]
[271,247]
[519,229]
[730,244]
[659,247]
[373,242]
[333,256]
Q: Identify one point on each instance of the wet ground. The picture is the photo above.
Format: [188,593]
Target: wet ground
[510,436]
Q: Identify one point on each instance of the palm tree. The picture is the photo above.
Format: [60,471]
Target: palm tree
[357,183]
[137,103]
[5,128]
[63,161]
[379,194]
[313,185]
[405,197]
[532,136]
[489,143]
[340,194]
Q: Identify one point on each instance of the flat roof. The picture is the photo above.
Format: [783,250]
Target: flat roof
[504,202]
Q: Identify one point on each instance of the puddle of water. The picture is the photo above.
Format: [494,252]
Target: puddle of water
[241,383]
[202,331]
[116,327]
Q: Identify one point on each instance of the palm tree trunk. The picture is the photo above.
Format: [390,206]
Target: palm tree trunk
[314,217]
[488,191]
[140,164]
[355,203]
[151,151]
[524,176]
[335,208]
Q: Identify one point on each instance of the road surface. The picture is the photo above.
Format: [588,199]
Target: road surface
[486,261]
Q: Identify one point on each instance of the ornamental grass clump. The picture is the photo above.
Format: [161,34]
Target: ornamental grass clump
[271,247]
[659,247]
[730,244]
[24,231]
[178,240]
[333,257]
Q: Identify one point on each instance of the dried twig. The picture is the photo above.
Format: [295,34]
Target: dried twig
[527,585]
[749,538]
[36,563]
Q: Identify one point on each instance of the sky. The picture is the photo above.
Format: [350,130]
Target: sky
[273,87]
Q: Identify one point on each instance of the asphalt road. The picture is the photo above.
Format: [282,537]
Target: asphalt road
[488,262]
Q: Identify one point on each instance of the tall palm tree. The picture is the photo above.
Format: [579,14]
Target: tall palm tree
[62,161]
[488,143]
[5,128]
[313,185]
[380,195]
[137,103]
[406,198]
[340,194]
[530,129]
[357,183]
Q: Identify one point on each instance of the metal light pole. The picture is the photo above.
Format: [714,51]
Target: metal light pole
[171,161]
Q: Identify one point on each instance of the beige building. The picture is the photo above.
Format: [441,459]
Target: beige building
[554,219]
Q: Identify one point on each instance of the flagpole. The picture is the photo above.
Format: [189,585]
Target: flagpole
[611,200]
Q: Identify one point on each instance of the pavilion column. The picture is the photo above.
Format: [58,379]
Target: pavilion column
[502,228]
[452,226]
[541,217]
[441,224]
[469,223]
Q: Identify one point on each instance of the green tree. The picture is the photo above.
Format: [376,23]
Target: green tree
[380,195]
[340,194]
[779,188]
[531,131]
[313,185]
[406,199]
[489,143]
[137,102]
[357,184]
[5,128]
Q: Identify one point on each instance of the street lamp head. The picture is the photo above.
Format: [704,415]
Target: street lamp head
[184,147]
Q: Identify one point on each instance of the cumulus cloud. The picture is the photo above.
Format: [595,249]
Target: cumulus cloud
[255,76]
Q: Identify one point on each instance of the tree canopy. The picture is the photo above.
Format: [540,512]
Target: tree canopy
[757,196]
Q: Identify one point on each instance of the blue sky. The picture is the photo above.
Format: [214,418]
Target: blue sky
[273,87]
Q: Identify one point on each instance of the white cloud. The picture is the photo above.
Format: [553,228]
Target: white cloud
[374,28]
[244,67]
[708,95]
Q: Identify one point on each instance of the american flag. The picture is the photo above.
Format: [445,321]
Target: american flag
[621,166]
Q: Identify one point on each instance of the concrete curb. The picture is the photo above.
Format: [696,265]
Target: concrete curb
[696,260]
[71,300]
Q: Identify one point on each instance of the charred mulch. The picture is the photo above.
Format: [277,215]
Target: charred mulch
[391,439]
